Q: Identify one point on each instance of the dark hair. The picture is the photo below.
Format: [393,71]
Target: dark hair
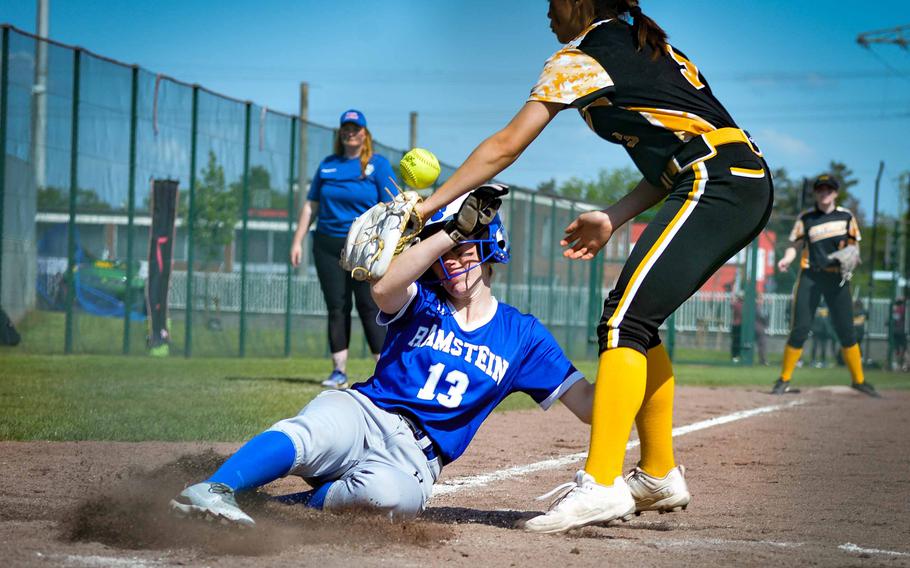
[645,31]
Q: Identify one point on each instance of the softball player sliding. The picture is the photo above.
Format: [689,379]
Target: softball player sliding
[820,231]
[452,353]
[632,88]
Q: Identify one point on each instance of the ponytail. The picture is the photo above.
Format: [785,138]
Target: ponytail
[645,31]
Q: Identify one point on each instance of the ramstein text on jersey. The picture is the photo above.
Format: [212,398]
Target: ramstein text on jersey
[482,356]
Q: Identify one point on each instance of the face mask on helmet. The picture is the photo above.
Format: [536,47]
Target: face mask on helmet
[493,246]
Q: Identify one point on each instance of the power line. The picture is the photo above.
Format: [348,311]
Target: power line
[899,36]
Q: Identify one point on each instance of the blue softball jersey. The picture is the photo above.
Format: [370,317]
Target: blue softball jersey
[343,193]
[447,378]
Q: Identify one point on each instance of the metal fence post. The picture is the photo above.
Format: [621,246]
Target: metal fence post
[552,268]
[4,107]
[243,235]
[509,266]
[872,256]
[671,335]
[74,189]
[532,214]
[747,334]
[287,259]
[570,277]
[593,303]
[131,210]
[190,222]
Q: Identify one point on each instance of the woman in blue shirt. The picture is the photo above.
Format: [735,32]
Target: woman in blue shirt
[346,184]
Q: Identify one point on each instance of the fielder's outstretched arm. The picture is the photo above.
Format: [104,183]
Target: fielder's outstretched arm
[391,291]
[493,155]
[590,231]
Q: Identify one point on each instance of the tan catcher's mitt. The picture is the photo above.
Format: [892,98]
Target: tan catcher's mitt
[380,234]
[848,257]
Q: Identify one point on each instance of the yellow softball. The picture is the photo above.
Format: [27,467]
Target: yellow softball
[419,168]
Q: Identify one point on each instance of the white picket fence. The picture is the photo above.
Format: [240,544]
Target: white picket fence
[568,305]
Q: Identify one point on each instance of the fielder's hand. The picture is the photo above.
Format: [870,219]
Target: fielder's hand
[848,258]
[476,212]
[380,234]
[586,235]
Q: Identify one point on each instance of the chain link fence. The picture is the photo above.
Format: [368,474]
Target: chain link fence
[83,136]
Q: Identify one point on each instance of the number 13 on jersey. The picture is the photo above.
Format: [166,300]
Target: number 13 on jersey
[458,381]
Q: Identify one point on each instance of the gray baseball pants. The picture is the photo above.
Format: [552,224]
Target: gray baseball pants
[370,454]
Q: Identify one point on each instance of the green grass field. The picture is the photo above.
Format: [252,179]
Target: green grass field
[90,397]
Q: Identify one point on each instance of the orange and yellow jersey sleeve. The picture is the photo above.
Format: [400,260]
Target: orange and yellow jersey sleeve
[571,75]
[651,105]
[799,230]
[853,228]
[568,76]
[797,234]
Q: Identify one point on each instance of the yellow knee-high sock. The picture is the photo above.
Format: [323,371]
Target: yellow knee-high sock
[854,361]
[655,419]
[791,356]
[620,388]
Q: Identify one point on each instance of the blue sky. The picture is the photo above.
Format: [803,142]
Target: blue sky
[789,72]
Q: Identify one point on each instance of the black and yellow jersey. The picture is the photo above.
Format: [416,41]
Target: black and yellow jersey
[823,234]
[650,106]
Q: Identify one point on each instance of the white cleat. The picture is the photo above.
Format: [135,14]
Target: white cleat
[662,494]
[584,502]
[211,501]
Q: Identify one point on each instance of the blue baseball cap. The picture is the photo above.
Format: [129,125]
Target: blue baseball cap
[354,116]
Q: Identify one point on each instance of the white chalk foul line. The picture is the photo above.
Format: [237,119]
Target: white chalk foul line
[850,547]
[474,481]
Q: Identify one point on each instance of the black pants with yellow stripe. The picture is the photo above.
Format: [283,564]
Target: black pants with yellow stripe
[715,207]
[810,287]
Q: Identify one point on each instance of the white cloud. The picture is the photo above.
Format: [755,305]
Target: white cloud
[780,143]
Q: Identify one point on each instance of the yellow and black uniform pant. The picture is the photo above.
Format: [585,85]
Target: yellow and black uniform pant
[720,198]
[810,287]
[715,208]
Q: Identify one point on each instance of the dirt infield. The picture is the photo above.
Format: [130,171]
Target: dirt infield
[822,482]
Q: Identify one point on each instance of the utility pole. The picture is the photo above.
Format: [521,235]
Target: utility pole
[902,237]
[878,179]
[39,95]
[413,137]
[302,151]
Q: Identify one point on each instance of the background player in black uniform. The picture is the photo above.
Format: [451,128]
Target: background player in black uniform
[633,89]
[821,231]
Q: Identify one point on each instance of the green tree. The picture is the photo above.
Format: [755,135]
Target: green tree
[789,201]
[55,199]
[547,187]
[606,188]
[216,211]
[847,180]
